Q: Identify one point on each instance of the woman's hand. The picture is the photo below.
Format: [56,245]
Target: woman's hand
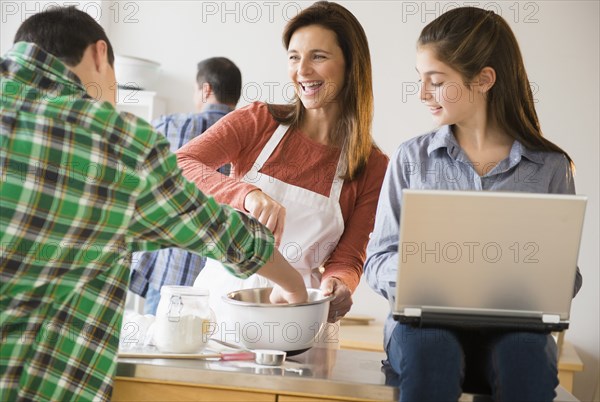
[342,302]
[268,212]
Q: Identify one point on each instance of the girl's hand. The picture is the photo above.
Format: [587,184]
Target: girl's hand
[268,212]
[342,302]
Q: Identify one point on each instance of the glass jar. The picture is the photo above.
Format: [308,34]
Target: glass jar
[184,320]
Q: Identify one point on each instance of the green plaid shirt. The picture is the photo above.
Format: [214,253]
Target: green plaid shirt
[81,187]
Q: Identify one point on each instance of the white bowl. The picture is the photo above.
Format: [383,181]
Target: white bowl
[136,73]
[292,328]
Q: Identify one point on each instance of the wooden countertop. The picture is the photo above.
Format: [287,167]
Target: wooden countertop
[317,373]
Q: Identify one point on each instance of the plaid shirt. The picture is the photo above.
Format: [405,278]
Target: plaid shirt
[82,186]
[173,266]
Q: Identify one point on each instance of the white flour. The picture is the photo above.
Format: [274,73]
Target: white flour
[187,335]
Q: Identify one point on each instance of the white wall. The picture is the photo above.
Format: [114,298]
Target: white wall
[559,40]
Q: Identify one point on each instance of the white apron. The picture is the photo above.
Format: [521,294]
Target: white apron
[313,227]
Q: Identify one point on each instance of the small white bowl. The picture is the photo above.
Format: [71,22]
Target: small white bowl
[269,357]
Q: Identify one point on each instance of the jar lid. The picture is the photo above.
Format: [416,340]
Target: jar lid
[183,291]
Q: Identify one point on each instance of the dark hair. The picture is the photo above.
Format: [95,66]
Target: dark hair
[223,76]
[354,131]
[64,32]
[469,39]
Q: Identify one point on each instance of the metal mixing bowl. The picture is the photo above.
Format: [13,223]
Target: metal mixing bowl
[292,328]
[260,297]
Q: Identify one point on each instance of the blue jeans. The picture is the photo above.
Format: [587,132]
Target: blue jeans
[437,364]
[152,299]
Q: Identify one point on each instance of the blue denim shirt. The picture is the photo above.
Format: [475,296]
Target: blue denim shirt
[173,266]
[436,161]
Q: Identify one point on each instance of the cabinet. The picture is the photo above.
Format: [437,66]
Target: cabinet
[287,398]
[144,104]
[130,390]
[143,391]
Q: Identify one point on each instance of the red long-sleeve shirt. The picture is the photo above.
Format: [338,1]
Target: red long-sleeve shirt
[239,137]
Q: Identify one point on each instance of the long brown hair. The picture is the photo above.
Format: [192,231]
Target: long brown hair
[354,129]
[469,39]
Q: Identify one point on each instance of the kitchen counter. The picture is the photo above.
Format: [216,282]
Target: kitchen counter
[316,375]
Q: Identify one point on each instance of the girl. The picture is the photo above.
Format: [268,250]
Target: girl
[475,86]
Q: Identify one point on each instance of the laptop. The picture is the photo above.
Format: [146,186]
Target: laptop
[502,260]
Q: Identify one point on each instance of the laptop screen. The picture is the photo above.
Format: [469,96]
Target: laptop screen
[488,253]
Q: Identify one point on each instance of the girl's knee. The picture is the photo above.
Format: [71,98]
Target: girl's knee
[426,347]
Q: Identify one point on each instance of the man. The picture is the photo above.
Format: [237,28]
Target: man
[81,186]
[218,90]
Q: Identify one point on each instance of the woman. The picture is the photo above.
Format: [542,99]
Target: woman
[309,171]
[475,85]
